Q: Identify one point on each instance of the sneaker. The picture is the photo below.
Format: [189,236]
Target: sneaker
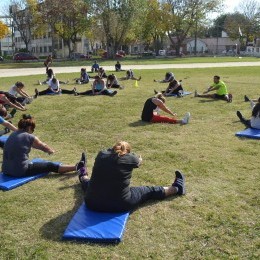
[75,91]
[36,93]
[12,113]
[139,78]
[179,183]
[186,118]
[246,98]
[230,97]
[39,82]
[79,165]
[239,115]
[121,87]
[7,130]
[114,93]
[67,82]
[155,91]
[196,93]
[83,158]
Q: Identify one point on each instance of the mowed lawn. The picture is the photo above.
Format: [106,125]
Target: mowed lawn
[217,219]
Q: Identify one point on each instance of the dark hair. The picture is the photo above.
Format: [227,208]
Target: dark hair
[54,80]
[19,84]
[26,122]
[50,72]
[217,77]
[111,77]
[256,110]
[97,77]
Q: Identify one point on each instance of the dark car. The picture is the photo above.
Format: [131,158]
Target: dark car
[24,56]
[1,58]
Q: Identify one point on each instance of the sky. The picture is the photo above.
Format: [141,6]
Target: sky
[229,4]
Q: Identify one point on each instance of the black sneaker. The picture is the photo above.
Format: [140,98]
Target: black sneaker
[7,130]
[239,115]
[12,113]
[36,93]
[83,158]
[230,98]
[179,183]
[155,91]
[114,93]
[246,98]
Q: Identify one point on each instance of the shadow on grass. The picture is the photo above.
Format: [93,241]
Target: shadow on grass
[53,230]
[139,123]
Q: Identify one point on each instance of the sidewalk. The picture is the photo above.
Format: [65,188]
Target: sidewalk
[41,71]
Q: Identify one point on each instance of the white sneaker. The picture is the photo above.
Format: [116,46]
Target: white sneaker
[186,118]
[39,82]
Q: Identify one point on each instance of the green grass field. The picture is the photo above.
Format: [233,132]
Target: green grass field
[217,219]
[129,60]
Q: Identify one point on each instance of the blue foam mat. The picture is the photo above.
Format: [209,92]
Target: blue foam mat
[9,182]
[185,93]
[92,226]
[249,133]
[3,138]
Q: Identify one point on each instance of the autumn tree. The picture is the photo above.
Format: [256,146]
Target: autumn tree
[67,19]
[117,18]
[21,12]
[4,30]
[181,16]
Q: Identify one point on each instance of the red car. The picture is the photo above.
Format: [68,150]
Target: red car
[24,56]
[118,55]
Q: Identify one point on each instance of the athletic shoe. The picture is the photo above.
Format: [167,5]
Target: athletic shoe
[196,93]
[246,98]
[179,183]
[39,82]
[114,93]
[230,97]
[7,130]
[186,118]
[67,82]
[139,78]
[239,115]
[121,87]
[75,91]
[36,93]
[155,91]
[12,113]
[83,158]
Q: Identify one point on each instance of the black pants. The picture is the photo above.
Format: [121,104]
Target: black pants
[139,195]
[89,92]
[41,167]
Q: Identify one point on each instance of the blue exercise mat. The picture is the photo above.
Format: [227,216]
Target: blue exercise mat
[3,138]
[185,93]
[92,226]
[9,182]
[249,133]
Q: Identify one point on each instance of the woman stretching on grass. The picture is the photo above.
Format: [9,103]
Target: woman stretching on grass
[109,189]
[150,111]
[254,122]
[18,146]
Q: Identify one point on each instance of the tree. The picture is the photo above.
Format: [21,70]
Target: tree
[153,29]
[21,12]
[3,30]
[67,19]
[181,16]
[116,18]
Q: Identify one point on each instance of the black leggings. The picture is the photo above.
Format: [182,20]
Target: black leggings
[139,195]
[41,167]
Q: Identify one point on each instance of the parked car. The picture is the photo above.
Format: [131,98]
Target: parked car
[77,56]
[118,55]
[24,56]
[1,58]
